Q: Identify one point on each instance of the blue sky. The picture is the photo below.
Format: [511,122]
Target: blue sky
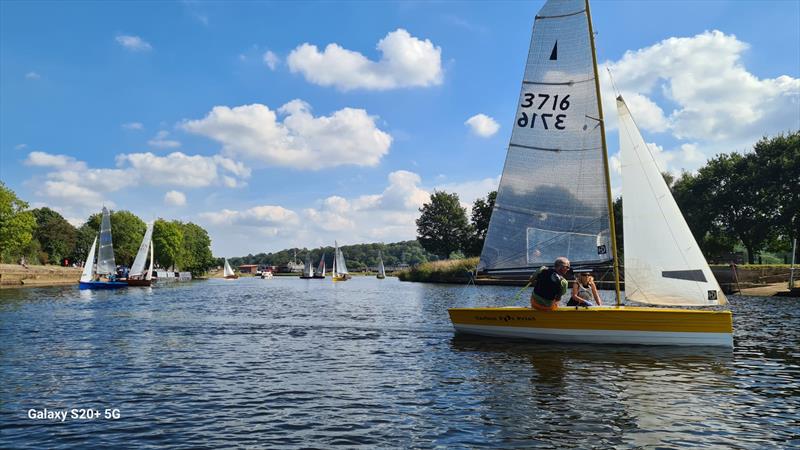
[239,116]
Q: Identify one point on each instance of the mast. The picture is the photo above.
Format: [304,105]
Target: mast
[613,230]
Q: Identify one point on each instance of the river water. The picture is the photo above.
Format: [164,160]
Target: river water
[373,364]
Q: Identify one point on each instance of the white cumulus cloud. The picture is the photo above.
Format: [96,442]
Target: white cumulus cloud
[180,169]
[175,198]
[133,43]
[265,215]
[302,141]
[32,76]
[482,125]
[714,97]
[406,61]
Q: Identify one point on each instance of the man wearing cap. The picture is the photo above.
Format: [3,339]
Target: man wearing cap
[549,285]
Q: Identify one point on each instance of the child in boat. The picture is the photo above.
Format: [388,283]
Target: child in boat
[584,291]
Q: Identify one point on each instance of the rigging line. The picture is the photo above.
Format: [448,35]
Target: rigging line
[613,85]
[652,191]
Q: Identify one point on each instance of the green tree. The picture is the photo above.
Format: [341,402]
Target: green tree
[739,201]
[197,257]
[168,243]
[17,225]
[481,214]
[442,228]
[56,236]
[127,231]
[777,166]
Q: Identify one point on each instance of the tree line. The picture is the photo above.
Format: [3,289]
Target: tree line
[43,236]
[747,199]
[358,257]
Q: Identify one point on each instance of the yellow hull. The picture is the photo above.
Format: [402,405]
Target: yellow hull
[623,325]
[342,278]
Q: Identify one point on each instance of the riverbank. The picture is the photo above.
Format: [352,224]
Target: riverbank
[749,280]
[15,275]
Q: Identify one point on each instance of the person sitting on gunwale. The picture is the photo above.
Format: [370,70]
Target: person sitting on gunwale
[549,285]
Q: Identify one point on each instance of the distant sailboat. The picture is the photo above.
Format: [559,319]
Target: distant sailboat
[320,272]
[104,274]
[308,271]
[228,273]
[137,275]
[339,266]
[381,269]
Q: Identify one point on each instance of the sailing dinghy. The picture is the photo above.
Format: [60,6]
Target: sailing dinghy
[381,269]
[102,275]
[320,272]
[554,199]
[228,273]
[339,267]
[308,270]
[137,275]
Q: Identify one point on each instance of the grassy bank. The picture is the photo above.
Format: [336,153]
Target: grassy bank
[448,271]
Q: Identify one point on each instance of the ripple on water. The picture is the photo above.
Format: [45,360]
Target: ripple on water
[291,363]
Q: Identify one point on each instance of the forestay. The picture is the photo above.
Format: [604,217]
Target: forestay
[552,200]
[105,258]
[139,262]
[663,263]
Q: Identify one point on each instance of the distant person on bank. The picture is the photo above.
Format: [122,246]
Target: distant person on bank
[549,285]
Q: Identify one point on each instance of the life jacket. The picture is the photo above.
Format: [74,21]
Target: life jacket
[548,284]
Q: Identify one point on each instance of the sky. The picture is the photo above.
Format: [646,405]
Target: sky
[294,124]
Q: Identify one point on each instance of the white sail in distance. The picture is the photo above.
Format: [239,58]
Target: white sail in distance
[663,263]
[341,266]
[105,258]
[553,198]
[137,268]
[88,265]
[381,268]
[227,271]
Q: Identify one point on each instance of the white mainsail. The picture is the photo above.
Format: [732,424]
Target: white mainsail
[553,197]
[88,265]
[663,263]
[227,272]
[105,258]
[137,268]
[308,271]
[381,269]
[321,267]
[342,267]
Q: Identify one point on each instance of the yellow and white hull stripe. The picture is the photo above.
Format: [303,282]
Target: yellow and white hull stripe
[622,325]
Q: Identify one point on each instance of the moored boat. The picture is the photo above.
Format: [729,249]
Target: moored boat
[542,213]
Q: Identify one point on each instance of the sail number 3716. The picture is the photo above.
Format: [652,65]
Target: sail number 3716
[543,102]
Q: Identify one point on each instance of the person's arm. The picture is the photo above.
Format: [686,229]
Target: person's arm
[595,293]
[575,292]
